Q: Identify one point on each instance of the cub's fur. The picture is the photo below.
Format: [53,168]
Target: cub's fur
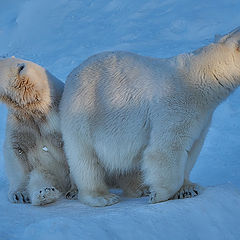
[123,112]
[33,150]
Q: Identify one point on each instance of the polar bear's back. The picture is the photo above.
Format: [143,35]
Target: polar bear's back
[117,83]
[122,77]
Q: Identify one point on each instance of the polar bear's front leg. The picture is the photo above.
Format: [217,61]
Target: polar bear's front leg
[89,176]
[17,176]
[41,190]
[190,189]
[19,196]
[163,172]
[196,149]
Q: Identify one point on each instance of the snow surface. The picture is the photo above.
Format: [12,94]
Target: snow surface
[58,35]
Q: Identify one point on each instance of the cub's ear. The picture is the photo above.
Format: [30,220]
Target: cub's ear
[26,87]
[21,69]
[26,75]
[23,81]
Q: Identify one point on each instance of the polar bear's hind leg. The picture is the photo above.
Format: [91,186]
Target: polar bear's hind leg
[88,174]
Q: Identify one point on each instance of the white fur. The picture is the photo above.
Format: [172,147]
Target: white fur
[39,174]
[121,111]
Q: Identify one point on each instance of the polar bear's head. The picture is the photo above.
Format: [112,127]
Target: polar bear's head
[24,86]
[227,58]
[219,62]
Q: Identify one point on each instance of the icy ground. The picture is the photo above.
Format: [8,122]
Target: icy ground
[58,35]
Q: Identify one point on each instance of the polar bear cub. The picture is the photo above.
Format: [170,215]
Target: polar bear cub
[33,150]
[121,112]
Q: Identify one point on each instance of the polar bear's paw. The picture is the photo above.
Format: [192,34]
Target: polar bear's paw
[19,197]
[99,200]
[72,194]
[188,190]
[158,196]
[45,196]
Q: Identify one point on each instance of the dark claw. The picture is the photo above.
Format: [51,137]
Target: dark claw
[23,198]
[68,195]
[16,197]
[196,192]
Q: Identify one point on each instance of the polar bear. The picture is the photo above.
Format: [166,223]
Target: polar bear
[121,112]
[33,150]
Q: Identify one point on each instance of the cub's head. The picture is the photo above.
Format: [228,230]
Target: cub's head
[24,86]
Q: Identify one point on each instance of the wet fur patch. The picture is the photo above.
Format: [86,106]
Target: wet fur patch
[22,143]
[55,139]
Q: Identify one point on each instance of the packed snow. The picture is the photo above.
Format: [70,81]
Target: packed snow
[60,34]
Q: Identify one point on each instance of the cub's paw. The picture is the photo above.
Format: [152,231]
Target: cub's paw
[188,190]
[72,194]
[99,200]
[45,196]
[19,197]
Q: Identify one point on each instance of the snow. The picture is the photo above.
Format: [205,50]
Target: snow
[58,35]
[212,215]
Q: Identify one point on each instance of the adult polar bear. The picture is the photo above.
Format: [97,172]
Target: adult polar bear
[121,111]
[33,150]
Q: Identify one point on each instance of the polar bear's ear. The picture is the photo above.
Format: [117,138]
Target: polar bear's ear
[21,69]
[26,85]
[233,37]
[25,75]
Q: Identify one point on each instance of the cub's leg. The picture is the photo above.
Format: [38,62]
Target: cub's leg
[190,189]
[41,190]
[132,185]
[163,166]
[88,175]
[17,175]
